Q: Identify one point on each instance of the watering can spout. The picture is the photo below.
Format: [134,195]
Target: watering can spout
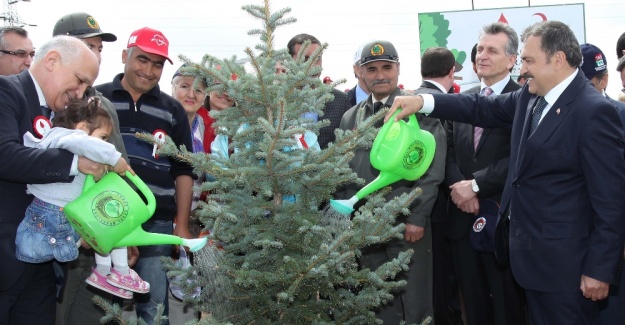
[383,180]
[139,237]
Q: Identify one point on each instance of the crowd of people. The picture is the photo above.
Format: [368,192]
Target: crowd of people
[520,220]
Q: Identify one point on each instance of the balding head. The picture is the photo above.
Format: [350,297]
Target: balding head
[64,67]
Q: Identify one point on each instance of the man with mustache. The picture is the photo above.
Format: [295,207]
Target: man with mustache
[142,107]
[413,303]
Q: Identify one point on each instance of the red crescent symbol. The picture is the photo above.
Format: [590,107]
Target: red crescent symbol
[41,125]
[541,15]
[159,136]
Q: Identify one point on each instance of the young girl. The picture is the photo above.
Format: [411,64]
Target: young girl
[45,233]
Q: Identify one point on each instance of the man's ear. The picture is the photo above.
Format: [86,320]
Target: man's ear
[51,60]
[124,56]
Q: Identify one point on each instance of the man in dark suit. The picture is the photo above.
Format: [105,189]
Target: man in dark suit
[335,108]
[477,165]
[62,69]
[595,68]
[360,92]
[563,197]
[437,71]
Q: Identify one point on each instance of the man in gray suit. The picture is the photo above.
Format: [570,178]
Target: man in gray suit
[413,303]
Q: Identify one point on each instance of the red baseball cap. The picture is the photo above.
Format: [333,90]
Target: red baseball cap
[151,41]
[327,79]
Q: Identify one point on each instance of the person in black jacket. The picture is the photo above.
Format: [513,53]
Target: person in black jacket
[335,108]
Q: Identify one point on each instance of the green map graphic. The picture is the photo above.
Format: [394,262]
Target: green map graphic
[433,32]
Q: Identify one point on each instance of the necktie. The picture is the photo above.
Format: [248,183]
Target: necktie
[377,106]
[477,131]
[537,113]
[45,111]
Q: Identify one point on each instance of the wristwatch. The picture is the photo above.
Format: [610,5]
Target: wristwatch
[474,186]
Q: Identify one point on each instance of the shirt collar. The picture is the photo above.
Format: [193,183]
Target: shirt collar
[383,100]
[360,94]
[42,98]
[498,86]
[556,91]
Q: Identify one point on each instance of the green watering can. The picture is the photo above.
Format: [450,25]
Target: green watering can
[109,214]
[401,150]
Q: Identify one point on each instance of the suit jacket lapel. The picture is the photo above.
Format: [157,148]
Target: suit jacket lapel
[485,134]
[30,92]
[526,125]
[549,124]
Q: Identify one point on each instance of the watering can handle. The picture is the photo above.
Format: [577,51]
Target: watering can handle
[412,120]
[90,181]
[145,190]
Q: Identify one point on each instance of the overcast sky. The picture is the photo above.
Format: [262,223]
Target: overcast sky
[196,27]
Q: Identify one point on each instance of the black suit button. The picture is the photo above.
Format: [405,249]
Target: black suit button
[474,160]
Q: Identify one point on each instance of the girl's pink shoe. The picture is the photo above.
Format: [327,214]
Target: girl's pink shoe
[130,281]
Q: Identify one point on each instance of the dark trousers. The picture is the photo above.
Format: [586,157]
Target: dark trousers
[31,300]
[489,291]
[447,310]
[548,308]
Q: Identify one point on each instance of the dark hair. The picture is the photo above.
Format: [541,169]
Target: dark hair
[437,62]
[620,46]
[556,36]
[82,110]
[621,64]
[512,47]
[300,39]
[11,29]
[474,53]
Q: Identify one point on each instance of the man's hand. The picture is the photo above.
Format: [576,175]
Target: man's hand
[594,289]
[408,104]
[413,233]
[133,255]
[462,192]
[90,167]
[470,206]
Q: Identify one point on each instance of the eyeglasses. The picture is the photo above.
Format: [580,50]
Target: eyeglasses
[19,54]
[187,88]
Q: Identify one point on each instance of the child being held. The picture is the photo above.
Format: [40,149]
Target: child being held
[45,233]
